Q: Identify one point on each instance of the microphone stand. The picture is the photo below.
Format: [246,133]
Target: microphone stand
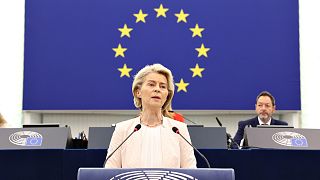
[138,126]
[176,130]
[228,137]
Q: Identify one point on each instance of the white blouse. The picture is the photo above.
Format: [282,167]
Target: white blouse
[151,155]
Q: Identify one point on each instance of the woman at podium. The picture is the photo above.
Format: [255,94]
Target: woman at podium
[148,140]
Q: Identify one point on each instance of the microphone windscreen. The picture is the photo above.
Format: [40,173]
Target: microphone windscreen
[175,130]
[138,126]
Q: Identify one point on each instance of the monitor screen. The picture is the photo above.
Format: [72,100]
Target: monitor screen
[274,126]
[41,125]
[195,125]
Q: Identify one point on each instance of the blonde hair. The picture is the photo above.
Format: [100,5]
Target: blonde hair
[139,79]
[2,120]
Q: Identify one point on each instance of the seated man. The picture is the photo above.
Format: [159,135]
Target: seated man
[265,107]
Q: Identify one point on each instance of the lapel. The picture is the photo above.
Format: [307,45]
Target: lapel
[133,145]
[255,122]
[272,122]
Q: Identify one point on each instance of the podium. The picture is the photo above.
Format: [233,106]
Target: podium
[35,138]
[155,173]
[283,138]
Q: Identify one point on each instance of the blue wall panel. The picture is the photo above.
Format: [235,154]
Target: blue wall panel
[70,64]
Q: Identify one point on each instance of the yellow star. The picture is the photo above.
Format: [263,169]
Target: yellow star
[125,71]
[125,31]
[197,71]
[161,11]
[182,16]
[197,31]
[182,85]
[119,51]
[140,16]
[202,51]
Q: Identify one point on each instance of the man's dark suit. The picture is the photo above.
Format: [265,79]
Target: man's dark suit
[254,122]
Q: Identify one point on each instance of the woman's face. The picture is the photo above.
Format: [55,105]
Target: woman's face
[154,91]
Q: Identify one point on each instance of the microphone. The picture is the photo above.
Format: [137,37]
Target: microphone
[228,135]
[183,117]
[176,130]
[136,128]
[220,124]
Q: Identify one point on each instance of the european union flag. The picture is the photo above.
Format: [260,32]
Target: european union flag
[299,142]
[82,55]
[33,141]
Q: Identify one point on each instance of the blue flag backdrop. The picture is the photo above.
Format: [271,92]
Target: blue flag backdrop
[83,54]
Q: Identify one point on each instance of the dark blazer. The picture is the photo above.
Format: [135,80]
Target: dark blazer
[254,122]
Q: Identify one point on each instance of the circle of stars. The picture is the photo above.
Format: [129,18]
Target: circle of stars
[161,12]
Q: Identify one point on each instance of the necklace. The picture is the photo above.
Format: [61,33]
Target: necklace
[154,125]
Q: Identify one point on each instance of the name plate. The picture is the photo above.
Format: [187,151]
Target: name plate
[35,138]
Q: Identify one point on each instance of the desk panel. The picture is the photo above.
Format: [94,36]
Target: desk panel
[262,164]
[31,164]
